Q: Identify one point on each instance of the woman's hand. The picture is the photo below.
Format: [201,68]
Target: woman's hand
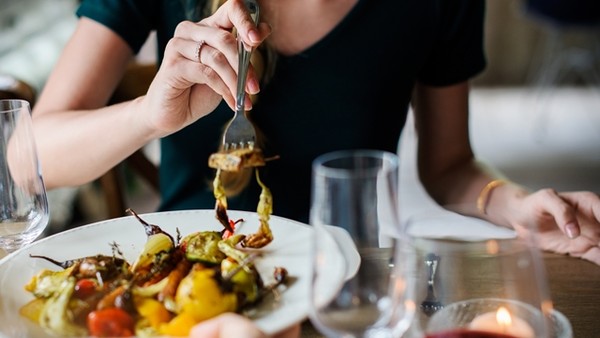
[231,325]
[200,68]
[567,223]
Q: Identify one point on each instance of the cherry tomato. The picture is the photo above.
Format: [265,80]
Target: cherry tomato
[110,322]
[85,288]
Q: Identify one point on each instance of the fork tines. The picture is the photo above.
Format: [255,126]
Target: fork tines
[238,145]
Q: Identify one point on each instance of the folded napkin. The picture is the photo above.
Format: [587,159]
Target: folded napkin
[443,224]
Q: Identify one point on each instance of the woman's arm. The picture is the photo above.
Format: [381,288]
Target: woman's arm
[447,166]
[567,223]
[78,138]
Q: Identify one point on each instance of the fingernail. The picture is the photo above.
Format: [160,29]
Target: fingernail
[254,36]
[248,103]
[253,86]
[572,230]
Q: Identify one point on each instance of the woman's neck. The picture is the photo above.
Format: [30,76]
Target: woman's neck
[299,24]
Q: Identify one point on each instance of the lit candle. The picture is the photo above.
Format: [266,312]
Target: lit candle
[502,322]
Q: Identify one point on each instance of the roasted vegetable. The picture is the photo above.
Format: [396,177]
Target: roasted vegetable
[203,247]
[56,316]
[264,210]
[236,160]
[47,282]
[201,294]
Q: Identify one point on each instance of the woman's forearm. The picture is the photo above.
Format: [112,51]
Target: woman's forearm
[448,168]
[478,190]
[76,147]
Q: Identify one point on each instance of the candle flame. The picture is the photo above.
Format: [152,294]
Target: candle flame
[503,317]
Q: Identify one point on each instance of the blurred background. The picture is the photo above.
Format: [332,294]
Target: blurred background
[535,110]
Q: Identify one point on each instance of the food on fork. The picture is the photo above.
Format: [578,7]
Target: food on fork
[235,161]
[173,284]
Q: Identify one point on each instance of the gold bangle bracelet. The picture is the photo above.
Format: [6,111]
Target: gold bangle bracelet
[484,195]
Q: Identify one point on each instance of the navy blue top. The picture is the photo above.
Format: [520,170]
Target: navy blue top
[349,90]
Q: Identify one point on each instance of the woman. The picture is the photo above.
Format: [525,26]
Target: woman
[325,86]
[331,70]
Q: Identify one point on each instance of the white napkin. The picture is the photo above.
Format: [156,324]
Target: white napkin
[443,224]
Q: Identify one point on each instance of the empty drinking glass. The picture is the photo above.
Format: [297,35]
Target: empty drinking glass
[23,201]
[357,284]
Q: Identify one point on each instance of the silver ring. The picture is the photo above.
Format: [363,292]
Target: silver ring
[199,49]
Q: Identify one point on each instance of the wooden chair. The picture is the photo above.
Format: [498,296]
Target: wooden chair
[134,83]
[12,87]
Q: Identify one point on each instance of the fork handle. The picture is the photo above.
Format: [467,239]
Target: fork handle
[432,262]
[244,58]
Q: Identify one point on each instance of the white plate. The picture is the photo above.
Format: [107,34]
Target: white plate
[290,249]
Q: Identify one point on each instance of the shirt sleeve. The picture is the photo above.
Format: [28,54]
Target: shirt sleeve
[457,53]
[132,20]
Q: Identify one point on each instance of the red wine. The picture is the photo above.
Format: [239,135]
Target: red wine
[461,333]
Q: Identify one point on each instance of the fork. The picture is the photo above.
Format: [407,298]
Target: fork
[240,132]
[431,304]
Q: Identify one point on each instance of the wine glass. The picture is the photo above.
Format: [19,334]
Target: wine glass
[476,279]
[357,286]
[23,200]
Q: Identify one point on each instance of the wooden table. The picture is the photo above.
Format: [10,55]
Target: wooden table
[575,290]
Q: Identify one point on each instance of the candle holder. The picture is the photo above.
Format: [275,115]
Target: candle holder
[485,281]
[495,317]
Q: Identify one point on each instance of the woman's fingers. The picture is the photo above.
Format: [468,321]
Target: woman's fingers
[217,38]
[200,67]
[219,51]
[233,13]
[586,203]
[563,213]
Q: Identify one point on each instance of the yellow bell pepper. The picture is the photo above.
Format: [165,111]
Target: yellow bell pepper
[198,298]
[153,311]
[179,326]
[199,294]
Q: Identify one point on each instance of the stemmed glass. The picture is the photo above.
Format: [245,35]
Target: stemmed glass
[474,279]
[357,289]
[23,201]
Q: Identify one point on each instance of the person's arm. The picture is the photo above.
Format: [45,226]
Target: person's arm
[447,166]
[79,138]
[566,222]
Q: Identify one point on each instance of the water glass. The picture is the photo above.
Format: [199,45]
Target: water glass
[357,285]
[23,200]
